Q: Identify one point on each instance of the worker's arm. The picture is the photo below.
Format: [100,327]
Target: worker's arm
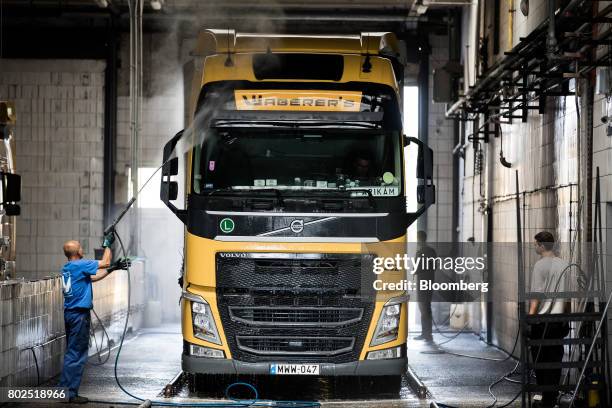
[101,274]
[106,259]
[533,306]
[104,263]
[119,264]
[538,285]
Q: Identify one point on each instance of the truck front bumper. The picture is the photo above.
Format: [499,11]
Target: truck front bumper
[200,365]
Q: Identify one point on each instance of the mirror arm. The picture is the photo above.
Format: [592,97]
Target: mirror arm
[181,214]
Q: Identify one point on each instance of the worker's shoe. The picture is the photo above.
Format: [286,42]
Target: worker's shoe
[426,338]
[77,399]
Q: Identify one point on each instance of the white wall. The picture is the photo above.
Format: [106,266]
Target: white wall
[59,143]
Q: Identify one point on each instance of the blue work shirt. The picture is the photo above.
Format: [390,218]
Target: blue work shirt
[76,280]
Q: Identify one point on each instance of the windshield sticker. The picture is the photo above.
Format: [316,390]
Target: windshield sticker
[226,225]
[259,183]
[388,177]
[321,184]
[384,191]
[271,182]
[211,165]
[296,100]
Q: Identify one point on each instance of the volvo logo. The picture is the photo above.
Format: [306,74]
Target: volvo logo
[297,226]
[233,254]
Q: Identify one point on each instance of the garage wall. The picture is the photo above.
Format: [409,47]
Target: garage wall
[59,143]
[441,134]
[545,153]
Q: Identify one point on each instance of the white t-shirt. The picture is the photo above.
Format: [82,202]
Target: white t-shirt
[550,275]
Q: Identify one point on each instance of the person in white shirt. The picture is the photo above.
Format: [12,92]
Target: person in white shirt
[549,276]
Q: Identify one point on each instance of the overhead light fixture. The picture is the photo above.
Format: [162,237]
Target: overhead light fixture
[157,4]
[102,3]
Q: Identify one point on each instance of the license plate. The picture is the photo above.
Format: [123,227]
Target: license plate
[294,369]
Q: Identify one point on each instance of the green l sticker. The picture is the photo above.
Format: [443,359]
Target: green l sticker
[226,225]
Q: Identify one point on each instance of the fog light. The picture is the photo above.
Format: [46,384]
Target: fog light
[199,351]
[394,352]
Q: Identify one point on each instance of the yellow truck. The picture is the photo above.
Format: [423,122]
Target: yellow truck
[296,164]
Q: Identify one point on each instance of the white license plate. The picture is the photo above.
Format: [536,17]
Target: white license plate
[294,369]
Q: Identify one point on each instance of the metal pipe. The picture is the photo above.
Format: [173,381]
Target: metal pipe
[110,119]
[551,40]
[136,7]
[514,56]
[416,384]
[237,15]
[423,109]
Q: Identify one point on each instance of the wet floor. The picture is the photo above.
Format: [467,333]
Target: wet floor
[462,381]
[301,388]
[151,359]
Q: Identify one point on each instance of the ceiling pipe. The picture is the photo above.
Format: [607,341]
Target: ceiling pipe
[551,39]
[514,55]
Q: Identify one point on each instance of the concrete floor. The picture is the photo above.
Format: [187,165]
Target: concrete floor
[151,358]
[461,381]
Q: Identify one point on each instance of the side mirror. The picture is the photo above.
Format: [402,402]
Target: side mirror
[12,209]
[11,188]
[426,190]
[169,188]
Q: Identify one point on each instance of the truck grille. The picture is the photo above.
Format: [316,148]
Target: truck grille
[300,316]
[298,307]
[306,346]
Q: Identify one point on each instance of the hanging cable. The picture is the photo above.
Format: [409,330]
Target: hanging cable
[100,349]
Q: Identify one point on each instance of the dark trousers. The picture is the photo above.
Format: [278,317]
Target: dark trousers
[77,323]
[548,354]
[424,299]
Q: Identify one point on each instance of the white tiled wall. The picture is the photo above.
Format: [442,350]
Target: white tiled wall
[59,138]
[439,215]
[544,151]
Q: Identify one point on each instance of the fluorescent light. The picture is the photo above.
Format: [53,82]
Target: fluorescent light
[157,4]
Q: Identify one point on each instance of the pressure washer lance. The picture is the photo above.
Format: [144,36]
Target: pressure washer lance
[111,228]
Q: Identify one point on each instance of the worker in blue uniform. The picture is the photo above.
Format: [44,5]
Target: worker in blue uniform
[77,276]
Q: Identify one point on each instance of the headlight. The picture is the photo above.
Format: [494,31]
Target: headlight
[388,323]
[203,322]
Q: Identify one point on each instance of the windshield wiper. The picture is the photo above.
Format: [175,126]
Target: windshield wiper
[369,194]
[277,192]
[220,190]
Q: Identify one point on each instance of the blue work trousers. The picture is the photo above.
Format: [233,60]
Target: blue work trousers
[77,323]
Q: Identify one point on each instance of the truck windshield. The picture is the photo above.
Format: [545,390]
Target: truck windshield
[298,160]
